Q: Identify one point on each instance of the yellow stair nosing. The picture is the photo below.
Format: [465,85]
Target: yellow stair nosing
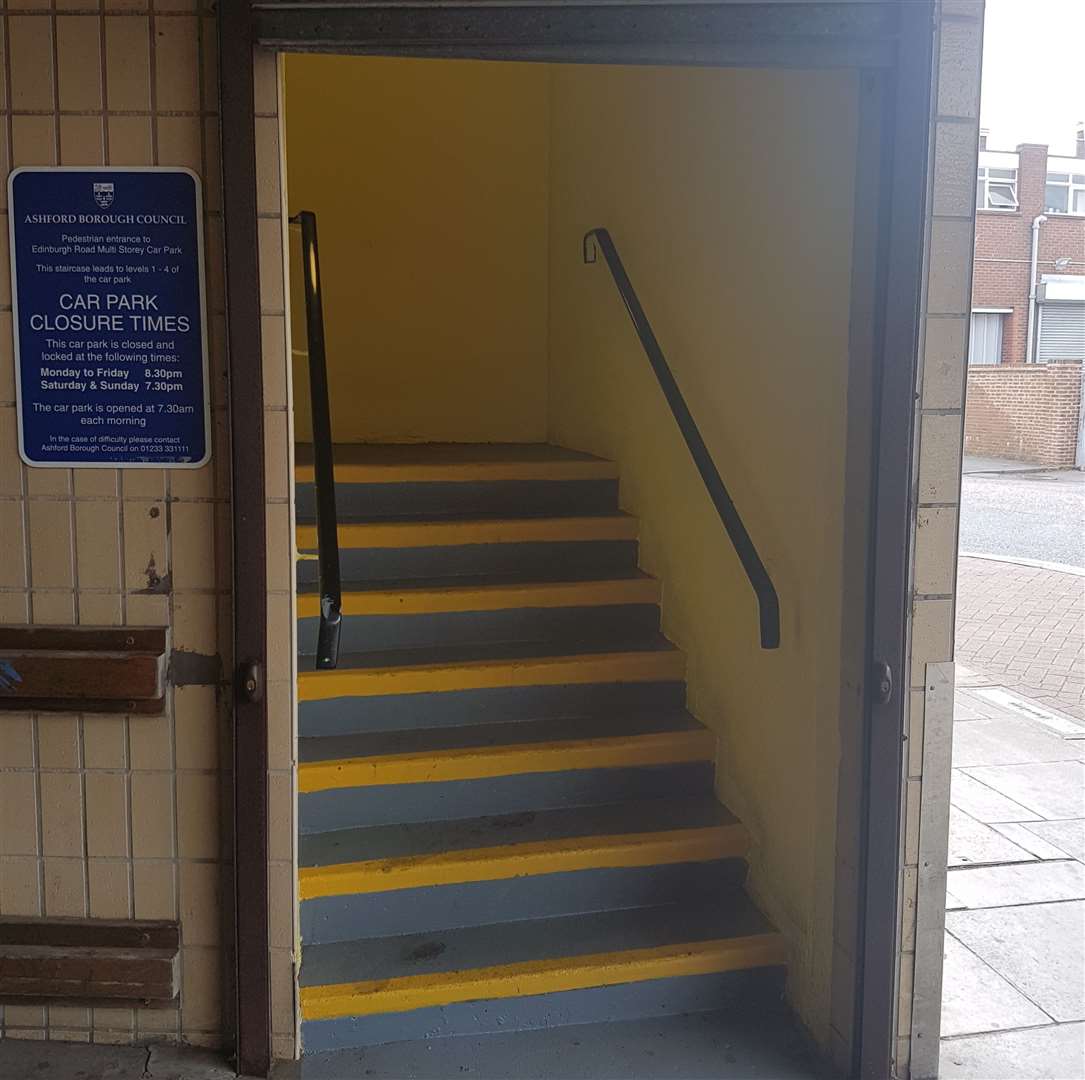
[464,471]
[480,762]
[551,975]
[696,844]
[649,665]
[500,597]
[456,532]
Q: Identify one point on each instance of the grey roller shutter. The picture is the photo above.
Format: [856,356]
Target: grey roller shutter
[1062,332]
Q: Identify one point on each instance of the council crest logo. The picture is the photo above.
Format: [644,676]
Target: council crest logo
[103,195]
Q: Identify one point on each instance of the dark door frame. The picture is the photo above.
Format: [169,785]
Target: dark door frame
[891,40]
[901,268]
[248,991]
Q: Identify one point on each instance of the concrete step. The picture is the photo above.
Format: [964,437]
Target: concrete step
[482,610]
[502,768]
[426,548]
[644,962]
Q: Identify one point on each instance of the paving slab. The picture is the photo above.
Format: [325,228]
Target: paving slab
[1018,832]
[1003,702]
[1037,948]
[971,843]
[1067,835]
[1008,741]
[1050,790]
[1022,883]
[30,1060]
[984,803]
[967,705]
[1049,1053]
[975,998]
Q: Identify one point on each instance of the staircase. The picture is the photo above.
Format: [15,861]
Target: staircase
[507,815]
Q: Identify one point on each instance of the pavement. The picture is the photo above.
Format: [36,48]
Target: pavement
[1013,1002]
[1024,627]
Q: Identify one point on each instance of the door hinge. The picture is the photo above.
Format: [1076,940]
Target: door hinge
[883,682]
[250,681]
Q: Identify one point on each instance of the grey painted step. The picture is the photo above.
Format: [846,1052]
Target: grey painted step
[428,910]
[553,729]
[639,1001]
[347,713]
[506,704]
[430,460]
[506,577]
[510,498]
[729,915]
[386,804]
[756,1038]
[432,837]
[380,804]
[559,557]
[583,624]
[456,653]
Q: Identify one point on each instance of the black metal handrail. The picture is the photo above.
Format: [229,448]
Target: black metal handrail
[767,600]
[327,520]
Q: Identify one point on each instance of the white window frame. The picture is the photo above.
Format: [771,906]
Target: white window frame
[984,180]
[1074,183]
[1001,313]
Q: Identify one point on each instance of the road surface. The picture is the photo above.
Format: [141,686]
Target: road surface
[1030,515]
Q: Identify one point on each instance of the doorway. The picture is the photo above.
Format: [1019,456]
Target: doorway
[822,792]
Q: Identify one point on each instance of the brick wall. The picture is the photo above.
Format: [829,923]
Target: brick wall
[1004,248]
[1027,412]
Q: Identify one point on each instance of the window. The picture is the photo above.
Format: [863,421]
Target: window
[985,340]
[1065,193]
[996,189]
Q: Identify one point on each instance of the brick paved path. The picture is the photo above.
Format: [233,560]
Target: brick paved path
[1026,627]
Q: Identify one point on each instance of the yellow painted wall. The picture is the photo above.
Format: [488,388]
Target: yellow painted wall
[458,307]
[742,260]
[429,179]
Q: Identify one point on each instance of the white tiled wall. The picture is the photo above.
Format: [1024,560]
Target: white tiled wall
[116,816]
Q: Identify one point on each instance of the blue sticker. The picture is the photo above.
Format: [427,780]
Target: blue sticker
[109,317]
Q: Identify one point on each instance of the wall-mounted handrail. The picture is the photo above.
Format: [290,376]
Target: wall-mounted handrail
[768,602]
[327,521]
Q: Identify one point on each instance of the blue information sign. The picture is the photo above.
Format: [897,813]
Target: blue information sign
[109,317]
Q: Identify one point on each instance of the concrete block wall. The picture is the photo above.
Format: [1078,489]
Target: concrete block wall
[1028,412]
[939,433]
[114,816]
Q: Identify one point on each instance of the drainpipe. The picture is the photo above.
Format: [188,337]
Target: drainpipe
[1036,223]
[1079,458]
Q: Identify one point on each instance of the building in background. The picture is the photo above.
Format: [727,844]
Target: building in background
[1027,338]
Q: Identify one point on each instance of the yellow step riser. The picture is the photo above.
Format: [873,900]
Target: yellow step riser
[490,598]
[399,534]
[463,472]
[664,665]
[477,763]
[542,976]
[520,860]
